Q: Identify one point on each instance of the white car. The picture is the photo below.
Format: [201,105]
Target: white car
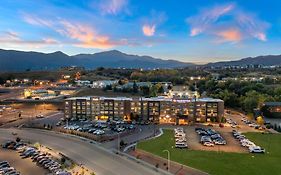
[208,144]
[180,135]
[256,149]
[181,145]
[181,139]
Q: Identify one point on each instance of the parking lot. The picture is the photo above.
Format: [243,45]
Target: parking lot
[99,128]
[32,155]
[24,166]
[231,146]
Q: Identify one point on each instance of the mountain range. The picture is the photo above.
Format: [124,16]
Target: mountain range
[12,60]
[268,60]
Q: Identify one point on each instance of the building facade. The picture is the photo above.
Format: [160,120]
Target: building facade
[156,109]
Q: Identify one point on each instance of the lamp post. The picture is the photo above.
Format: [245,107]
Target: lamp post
[118,143]
[168,153]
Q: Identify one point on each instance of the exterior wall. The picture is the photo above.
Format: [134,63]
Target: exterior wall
[146,109]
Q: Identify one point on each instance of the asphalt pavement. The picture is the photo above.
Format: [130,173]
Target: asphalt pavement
[93,156]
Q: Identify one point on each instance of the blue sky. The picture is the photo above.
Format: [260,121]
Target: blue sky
[187,30]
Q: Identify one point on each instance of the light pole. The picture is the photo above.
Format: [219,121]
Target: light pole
[118,143]
[168,152]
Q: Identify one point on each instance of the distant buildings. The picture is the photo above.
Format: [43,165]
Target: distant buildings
[271,109]
[103,83]
[83,83]
[157,109]
[182,92]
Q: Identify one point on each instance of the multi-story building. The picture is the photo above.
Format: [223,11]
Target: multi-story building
[156,109]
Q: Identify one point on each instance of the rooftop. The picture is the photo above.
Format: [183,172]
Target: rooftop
[159,98]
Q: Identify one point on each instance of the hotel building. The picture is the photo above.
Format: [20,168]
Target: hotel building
[156,109]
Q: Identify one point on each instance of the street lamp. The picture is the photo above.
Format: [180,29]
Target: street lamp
[118,143]
[168,152]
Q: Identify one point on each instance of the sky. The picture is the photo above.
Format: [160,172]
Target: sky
[197,31]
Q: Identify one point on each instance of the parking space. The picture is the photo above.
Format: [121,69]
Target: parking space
[99,127]
[231,144]
[34,157]
[24,166]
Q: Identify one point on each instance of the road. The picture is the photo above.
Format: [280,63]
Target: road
[14,92]
[101,161]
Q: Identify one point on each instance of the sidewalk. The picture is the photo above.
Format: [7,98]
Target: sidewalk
[159,162]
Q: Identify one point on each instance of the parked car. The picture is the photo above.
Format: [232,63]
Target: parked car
[256,149]
[209,144]
[181,145]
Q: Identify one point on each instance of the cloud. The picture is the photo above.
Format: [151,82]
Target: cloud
[207,17]
[236,26]
[231,35]
[13,39]
[113,7]
[33,20]
[81,35]
[148,30]
[85,34]
[150,24]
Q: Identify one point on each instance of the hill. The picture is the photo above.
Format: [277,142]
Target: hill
[268,60]
[12,60]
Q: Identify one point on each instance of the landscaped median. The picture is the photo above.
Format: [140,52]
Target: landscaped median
[222,163]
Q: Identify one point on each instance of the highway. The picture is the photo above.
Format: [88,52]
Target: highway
[99,160]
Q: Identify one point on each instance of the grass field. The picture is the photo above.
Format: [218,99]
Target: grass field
[222,163]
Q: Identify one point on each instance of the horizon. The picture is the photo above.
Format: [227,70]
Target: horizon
[199,32]
[193,62]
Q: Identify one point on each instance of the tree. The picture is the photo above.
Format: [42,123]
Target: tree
[161,90]
[135,87]
[145,90]
[260,120]
[153,91]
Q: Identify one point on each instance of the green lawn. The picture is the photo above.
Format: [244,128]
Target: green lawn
[221,163]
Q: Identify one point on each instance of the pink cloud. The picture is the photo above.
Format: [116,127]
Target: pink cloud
[86,35]
[148,30]
[232,35]
[238,26]
[151,23]
[113,7]
[253,26]
[207,17]
[83,35]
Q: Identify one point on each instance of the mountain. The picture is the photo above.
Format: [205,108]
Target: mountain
[11,60]
[116,58]
[268,60]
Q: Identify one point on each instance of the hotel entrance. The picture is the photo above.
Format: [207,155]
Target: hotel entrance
[182,120]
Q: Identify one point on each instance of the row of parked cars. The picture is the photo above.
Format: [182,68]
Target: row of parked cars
[180,138]
[42,159]
[253,148]
[94,131]
[99,128]
[252,124]
[6,169]
[210,137]
[232,123]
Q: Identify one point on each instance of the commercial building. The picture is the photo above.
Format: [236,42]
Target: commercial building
[271,110]
[156,109]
